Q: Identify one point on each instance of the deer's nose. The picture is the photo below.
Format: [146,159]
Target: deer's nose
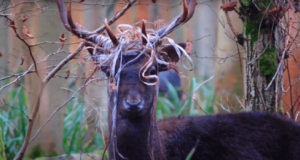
[135,102]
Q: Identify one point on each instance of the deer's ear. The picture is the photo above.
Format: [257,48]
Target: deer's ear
[169,54]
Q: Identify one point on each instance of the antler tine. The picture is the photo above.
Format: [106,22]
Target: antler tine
[144,33]
[69,15]
[188,12]
[111,34]
[185,12]
[63,13]
[67,20]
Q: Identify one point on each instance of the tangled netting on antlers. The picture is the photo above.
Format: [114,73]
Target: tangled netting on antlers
[130,43]
[128,40]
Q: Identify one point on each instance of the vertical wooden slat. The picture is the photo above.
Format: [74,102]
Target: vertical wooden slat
[50,137]
[127,18]
[142,11]
[96,99]
[228,73]
[4,51]
[3,66]
[291,102]
[205,22]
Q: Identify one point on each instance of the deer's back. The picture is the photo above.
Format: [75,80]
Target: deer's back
[242,136]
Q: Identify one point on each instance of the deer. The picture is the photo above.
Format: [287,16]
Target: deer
[132,60]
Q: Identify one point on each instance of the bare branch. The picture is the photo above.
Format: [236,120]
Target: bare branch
[60,107]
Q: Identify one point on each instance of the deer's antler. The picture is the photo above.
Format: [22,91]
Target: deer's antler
[94,36]
[111,34]
[66,18]
[188,12]
[144,40]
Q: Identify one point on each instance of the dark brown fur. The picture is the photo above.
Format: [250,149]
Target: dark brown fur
[241,136]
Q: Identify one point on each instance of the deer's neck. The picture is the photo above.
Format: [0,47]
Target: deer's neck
[132,138]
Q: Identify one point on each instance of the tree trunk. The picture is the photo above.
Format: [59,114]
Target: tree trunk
[263,46]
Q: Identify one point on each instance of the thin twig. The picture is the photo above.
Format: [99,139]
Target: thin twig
[225,109]
[63,62]
[28,46]
[17,79]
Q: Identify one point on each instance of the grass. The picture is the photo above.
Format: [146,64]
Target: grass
[13,121]
[13,125]
[196,103]
[74,131]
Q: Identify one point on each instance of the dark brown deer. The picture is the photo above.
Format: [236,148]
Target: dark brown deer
[132,60]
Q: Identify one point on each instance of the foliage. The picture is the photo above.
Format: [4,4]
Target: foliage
[171,105]
[2,147]
[74,130]
[13,121]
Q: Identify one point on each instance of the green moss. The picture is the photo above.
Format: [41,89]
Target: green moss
[52,154]
[251,29]
[35,152]
[261,4]
[268,63]
[265,4]
[246,2]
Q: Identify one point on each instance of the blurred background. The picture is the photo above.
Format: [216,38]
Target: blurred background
[72,117]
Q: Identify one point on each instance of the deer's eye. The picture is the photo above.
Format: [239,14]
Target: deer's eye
[152,70]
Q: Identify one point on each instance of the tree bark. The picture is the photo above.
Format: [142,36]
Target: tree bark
[263,48]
